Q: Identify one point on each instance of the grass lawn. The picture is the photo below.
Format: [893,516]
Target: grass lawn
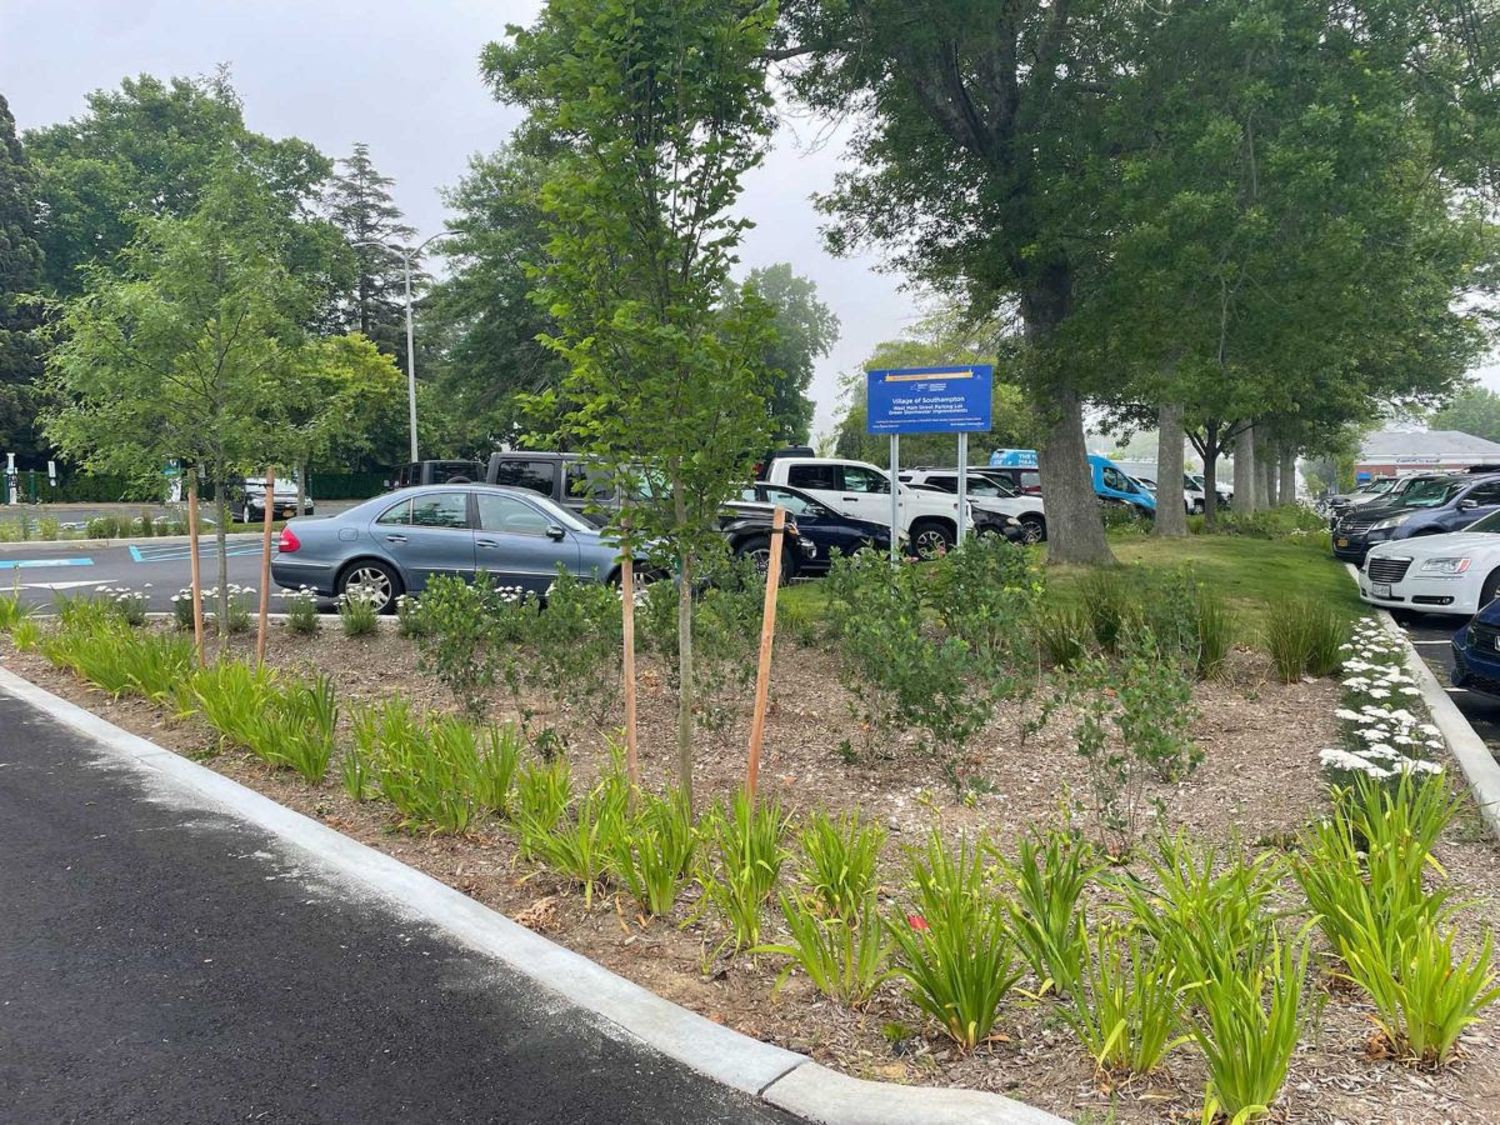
[1251,574]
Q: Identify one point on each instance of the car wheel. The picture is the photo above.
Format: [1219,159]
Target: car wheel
[245,514]
[382,583]
[930,538]
[1490,588]
[1033,530]
[758,549]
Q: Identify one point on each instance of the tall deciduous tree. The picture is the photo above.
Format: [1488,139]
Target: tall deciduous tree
[360,204]
[483,309]
[805,331]
[659,107]
[1474,410]
[20,282]
[180,355]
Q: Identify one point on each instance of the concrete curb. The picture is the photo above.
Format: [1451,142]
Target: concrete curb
[782,1078]
[1470,751]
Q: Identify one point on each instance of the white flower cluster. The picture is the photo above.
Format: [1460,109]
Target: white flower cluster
[1385,739]
[303,593]
[236,593]
[360,595]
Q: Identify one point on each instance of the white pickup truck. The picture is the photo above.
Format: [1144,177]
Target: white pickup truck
[929,520]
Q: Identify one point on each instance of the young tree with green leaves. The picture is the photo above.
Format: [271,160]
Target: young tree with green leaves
[181,352]
[20,296]
[657,108]
[360,204]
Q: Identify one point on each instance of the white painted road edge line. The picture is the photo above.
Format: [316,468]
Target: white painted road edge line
[1470,751]
[790,1081]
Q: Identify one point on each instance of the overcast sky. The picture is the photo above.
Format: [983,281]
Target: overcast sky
[405,79]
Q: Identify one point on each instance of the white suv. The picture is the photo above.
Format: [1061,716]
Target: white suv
[987,494]
[929,520]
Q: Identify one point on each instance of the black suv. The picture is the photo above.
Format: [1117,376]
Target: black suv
[437,472]
[579,485]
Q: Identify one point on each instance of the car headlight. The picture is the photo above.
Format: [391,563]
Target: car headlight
[1450,566]
[1390,522]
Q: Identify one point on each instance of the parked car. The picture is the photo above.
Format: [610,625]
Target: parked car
[1433,506]
[1457,573]
[583,488]
[1223,493]
[437,472]
[1384,491]
[987,494]
[1476,652]
[929,521]
[247,499]
[1025,480]
[1111,483]
[828,531]
[398,542]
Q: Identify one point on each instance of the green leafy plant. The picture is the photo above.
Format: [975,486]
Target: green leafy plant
[1155,708]
[302,612]
[748,846]
[119,660]
[358,612]
[954,950]
[12,611]
[653,856]
[297,731]
[26,635]
[581,846]
[231,696]
[410,621]
[1062,633]
[846,957]
[543,792]
[1304,635]
[1110,605]
[837,860]
[1247,1021]
[1048,878]
[1124,1010]
[467,635]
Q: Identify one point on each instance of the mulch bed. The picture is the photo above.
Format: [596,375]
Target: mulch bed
[1259,782]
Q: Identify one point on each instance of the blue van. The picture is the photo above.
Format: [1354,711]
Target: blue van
[1111,483]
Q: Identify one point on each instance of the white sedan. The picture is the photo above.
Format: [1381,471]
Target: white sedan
[1456,573]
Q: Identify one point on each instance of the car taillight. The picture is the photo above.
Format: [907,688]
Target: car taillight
[288,541]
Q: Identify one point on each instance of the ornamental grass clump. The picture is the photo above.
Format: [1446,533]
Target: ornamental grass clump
[748,844]
[846,956]
[119,660]
[580,846]
[12,611]
[837,859]
[1062,633]
[653,857]
[231,697]
[543,792]
[1047,880]
[297,732]
[954,949]
[302,612]
[1124,1008]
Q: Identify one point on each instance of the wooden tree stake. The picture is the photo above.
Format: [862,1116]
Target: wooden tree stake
[627,619]
[265,568]
[767,634]
[197,576]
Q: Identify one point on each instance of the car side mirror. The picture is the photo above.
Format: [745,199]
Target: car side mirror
[556,531]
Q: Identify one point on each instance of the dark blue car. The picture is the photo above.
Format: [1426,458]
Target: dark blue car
[1433,506]
[1476,652]
[827,530]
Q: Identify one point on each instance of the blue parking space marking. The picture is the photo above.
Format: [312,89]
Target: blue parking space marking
[182,552]
[27,564]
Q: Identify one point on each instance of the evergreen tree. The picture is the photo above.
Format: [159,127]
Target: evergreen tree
[20,279]
[361,206]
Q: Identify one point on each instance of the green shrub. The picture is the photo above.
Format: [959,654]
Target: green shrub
[1155,709]
[1124,1010]
[984,594]
[302,612]
[182,609]
[1292,522]
[237,615]
[747,841]
[1048,878]
[838,859]
[1247,1022]
[954,950]
[654,855]
[357,611]
[48,529]
[576,641]
[26,634]
[468,634]
[846,957]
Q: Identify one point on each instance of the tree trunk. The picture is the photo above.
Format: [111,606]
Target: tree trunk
[1171,507]
[221,508]
[1244,470]
[1209,448]
[685,690]
[301,470]
[1269,462]
[1075,528]
[1288,485]
[1265,454]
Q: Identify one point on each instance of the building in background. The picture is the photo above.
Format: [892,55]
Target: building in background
[1411,451]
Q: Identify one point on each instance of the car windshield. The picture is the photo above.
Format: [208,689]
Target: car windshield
[1429,493]
[1489,525]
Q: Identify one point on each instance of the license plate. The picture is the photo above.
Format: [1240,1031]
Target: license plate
[1381,589]
[1342,543]
[289,512]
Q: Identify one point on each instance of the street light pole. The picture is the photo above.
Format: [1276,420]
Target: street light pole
[411,340]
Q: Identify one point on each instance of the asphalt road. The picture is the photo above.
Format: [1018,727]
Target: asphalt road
[163,963]
[1431,635]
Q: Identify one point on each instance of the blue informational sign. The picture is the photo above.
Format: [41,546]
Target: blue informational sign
[929,400]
